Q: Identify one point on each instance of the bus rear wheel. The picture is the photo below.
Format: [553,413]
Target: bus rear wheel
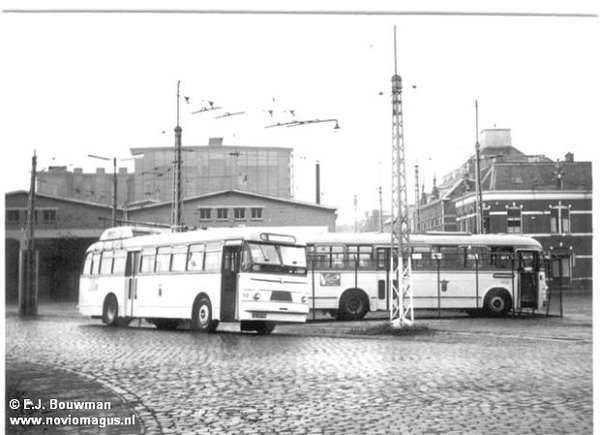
[202,316]
[110,312]
[354,305]
[497,303]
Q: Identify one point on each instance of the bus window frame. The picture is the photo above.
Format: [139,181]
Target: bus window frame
[147,253]
[194,249]
[162,263]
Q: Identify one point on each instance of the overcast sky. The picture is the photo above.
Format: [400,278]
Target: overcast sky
[75,84]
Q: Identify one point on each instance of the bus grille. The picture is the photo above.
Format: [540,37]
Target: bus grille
[281,296]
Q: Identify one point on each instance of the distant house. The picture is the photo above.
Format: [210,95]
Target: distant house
[230,208]
[523,194]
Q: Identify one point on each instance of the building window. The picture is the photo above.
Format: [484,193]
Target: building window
[256,213]
[12,216]
[560,220]
[513,220]
[222,214]
[239,214]
[486,221]
[565,221]
[49,216]
[205,214]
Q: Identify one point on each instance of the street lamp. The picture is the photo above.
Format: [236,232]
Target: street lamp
[114,210]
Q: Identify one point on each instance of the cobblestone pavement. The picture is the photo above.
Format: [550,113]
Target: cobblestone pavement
[307,380]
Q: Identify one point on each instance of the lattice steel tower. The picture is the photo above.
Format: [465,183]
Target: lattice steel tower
[401,299]
[177,210]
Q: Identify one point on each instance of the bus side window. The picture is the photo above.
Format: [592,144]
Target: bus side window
[119,262]
[383,261]
[451,258]
[212,257]
[321,257]
[501,257]
[163,259]
[179,258]
[87,264]
[196,258]
[96,263]
[106,262]
[421,258]
[147,261]
[337,257]
[362,253]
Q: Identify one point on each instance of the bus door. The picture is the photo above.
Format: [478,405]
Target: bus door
[383,277]
[229,280]
[528,266]
[131,268]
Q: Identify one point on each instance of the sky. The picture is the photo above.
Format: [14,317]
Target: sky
[81,83]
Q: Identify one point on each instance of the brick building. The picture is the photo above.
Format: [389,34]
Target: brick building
[525,194]
[64,228]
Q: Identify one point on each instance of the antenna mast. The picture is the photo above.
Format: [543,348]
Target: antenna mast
[400,297]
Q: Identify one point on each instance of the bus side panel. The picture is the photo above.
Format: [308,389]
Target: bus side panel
[93,291]
[172,296]
[90,297]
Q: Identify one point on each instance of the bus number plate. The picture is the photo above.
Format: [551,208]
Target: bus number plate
[259,315]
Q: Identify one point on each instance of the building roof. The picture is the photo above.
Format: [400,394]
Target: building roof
[539,176]
[239,192]
[59,198]
[202,148]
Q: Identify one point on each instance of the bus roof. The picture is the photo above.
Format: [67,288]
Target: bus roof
[438,239]
[159,237]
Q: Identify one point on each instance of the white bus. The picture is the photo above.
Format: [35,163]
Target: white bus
[197,278]
[481,274]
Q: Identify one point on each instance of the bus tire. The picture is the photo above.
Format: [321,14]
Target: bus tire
[261,328]
[354,305]
[110,312]
[497,303]
[265,328]
[202,316]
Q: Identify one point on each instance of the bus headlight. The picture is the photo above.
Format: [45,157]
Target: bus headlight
[256,296]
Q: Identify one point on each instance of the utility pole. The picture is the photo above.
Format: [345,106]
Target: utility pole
[380,209]
[28,288]
[417,201]
[478,199]
[177,212]
[400,297]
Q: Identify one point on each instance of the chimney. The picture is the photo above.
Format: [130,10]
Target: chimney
[496,137]
[215,142]
[77,171]
[318,182]
[569,157]
[100,171]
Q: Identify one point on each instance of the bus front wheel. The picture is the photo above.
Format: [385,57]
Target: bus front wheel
[497,303]
[354,305]
[202,316]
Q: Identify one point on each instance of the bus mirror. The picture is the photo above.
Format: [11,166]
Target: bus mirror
[436,255]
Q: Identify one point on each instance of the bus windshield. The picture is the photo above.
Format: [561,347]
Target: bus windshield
[265,257]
